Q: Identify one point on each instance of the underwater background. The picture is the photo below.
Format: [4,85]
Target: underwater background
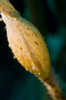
[49,16]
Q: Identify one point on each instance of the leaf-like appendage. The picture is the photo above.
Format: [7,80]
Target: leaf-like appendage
[25,41]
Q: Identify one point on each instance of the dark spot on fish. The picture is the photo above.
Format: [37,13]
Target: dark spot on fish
[11,8]
[44,59]
[36,42]
[9,13]
[35,34]
[28,28]
[46,79]
[20,48]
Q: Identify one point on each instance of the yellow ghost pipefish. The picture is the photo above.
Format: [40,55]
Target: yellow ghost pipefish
[29,47]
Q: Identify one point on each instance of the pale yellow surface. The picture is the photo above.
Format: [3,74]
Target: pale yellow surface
[25,42]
